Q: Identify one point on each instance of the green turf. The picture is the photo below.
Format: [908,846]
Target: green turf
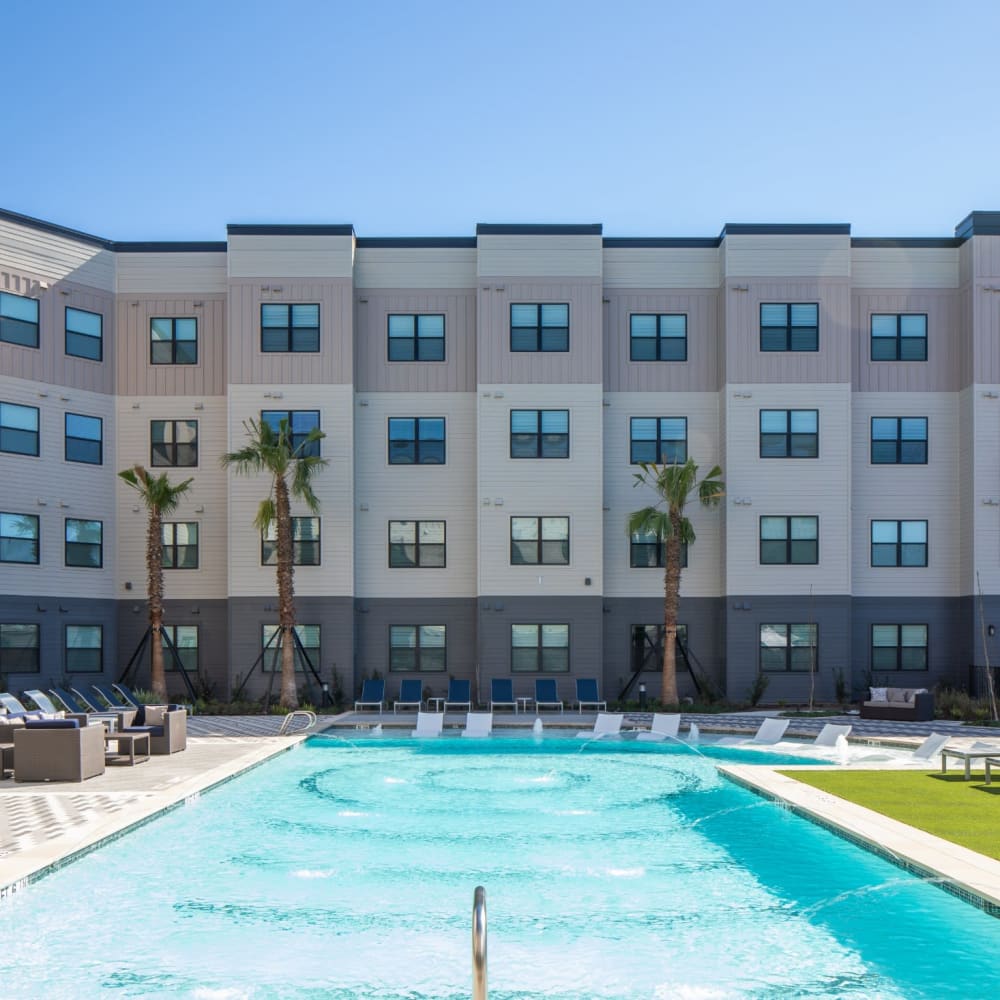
[964,812]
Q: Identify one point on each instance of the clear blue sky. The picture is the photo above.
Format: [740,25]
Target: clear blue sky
[135,119]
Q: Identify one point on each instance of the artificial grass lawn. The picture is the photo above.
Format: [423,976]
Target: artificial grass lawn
[964,812]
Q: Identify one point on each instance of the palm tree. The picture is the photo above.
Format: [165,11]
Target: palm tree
[674,486]
[275,453]
[161,498]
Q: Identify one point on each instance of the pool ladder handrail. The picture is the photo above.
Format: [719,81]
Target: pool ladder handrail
[479,944]
[295,719]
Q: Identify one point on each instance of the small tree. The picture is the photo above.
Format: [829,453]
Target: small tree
[291,468]
[674,486]
[160,498]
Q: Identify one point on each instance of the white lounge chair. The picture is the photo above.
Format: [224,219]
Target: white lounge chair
[606,724]
[665,724]
[930,746]
[429,724]
[829,733]
[770,731]
[478,724]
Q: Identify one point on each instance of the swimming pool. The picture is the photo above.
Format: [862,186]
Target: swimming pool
[345,870]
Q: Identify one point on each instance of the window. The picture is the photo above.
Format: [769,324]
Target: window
[300,423]
[173,340]
[788,647]
[174,443]
[84,439]
[84,646]
[84,543]
[899,543]
[305,543]
[308,635]
[539,433]
[289,328]
[539,541]
[20,649]
[416,440]
[539,327]
[417,648]
[899,337]
[658,337]
[647,550]
[789,433]
[539,649]
[658,439]
[647,647]
[789,541]
[18,320]
[789,326]
[180,545]
[899,647]
[416,337]
[19,429]
[19,538]
[416,543]
[185,640]
[899,440]
[83,334]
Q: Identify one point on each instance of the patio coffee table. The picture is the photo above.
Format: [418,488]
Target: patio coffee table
[968,756]
[125,749]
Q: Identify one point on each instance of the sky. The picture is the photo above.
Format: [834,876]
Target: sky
[143,120]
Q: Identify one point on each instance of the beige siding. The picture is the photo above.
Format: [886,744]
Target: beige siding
[374,372]
[415,267]
[702,578]
[385,492]
[662,267]
[174,274]
[52,257]
[780,256]
[986,256]
[333,363]
[981,514]
[908,492]
[333,487]
[980,314]
[291,256]
[905,267]
[759,487]
[137,377]
[540,487]
[537,256]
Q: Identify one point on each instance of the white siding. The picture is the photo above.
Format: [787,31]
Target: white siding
[539,256]
[786,256]
[52,257]
[662,267]
[291,256]
[415,267]
[171,273]
[980,451]
[902,267]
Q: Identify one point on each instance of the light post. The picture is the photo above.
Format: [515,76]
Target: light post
[642,696]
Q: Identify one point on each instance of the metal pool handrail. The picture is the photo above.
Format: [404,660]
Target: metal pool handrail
[479,944]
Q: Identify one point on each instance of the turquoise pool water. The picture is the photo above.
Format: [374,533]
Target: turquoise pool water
[620,870]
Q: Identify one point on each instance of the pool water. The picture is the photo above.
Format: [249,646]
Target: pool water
[613,870]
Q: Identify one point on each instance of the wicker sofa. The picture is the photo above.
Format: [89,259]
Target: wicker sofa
[899,705]
[58,750]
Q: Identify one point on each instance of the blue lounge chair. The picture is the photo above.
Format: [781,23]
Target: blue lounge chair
[69,701]
[587,695]
[502,693]
[112,699]
[459,695]
[411,694]
[127,694]
[372,694]
[547,694]
[48,706]
[89,702]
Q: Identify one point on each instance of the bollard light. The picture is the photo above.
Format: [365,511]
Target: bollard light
[642,696]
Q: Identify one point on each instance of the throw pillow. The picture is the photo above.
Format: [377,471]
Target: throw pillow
[154,715]
[879,694]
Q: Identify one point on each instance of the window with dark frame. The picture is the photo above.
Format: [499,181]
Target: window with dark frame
[899,647]
[83,647]
[305,542]
[791,648]
[186,641]
[180,544]
[417,545]
[19,429]
[173,340]
[416,441]
[789,433]
[84,334]
[789,326]
[899,441]
[173,443]
[789,541]
[416,337]
[84,543]
[300,423]
[418,648]
[648,550]
[899,543]
[539,433]
[658,337]
[539,326]
[308,635]
[289,328]
[539,541]
[646,650]
[19,538]
[84,439]
[18,320]
[899,337]
[662,440]
[20,648]
[539,649]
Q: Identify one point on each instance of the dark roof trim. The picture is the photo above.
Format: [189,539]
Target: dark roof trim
[49,227]
[686,242]
[907,242]
[175,247]
[979,224]
[490,229]
[780,229]
[252,230]
[424,242]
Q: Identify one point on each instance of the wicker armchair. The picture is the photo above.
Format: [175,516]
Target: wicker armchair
[58,750]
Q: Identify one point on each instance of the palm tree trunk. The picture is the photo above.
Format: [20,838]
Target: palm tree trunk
[286,594]
[154,569]
[671,600]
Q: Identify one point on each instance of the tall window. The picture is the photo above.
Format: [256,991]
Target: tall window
[300,423]
[789,326]
[539,433]
[539,541]
[416,337]
[180,545]
[789,541]
[185,640]
[84,649]
[289,328]
[899,337]
[899,440]
[899,647]
[84,338]
[658,439]
[84,439]
[788,647]
[305,543]
[789,433]
[173,340]
[647,647]
[308,635]
[899,543]
[415,544]
[418,648]
[19,429]
[658,337]
[18,320]
[539,649]
[539,326]
[647,550]
[19,538]
[416,440]
[174,443]
[84,543]
[20,647]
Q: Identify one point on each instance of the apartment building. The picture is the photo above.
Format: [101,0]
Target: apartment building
[485,400]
